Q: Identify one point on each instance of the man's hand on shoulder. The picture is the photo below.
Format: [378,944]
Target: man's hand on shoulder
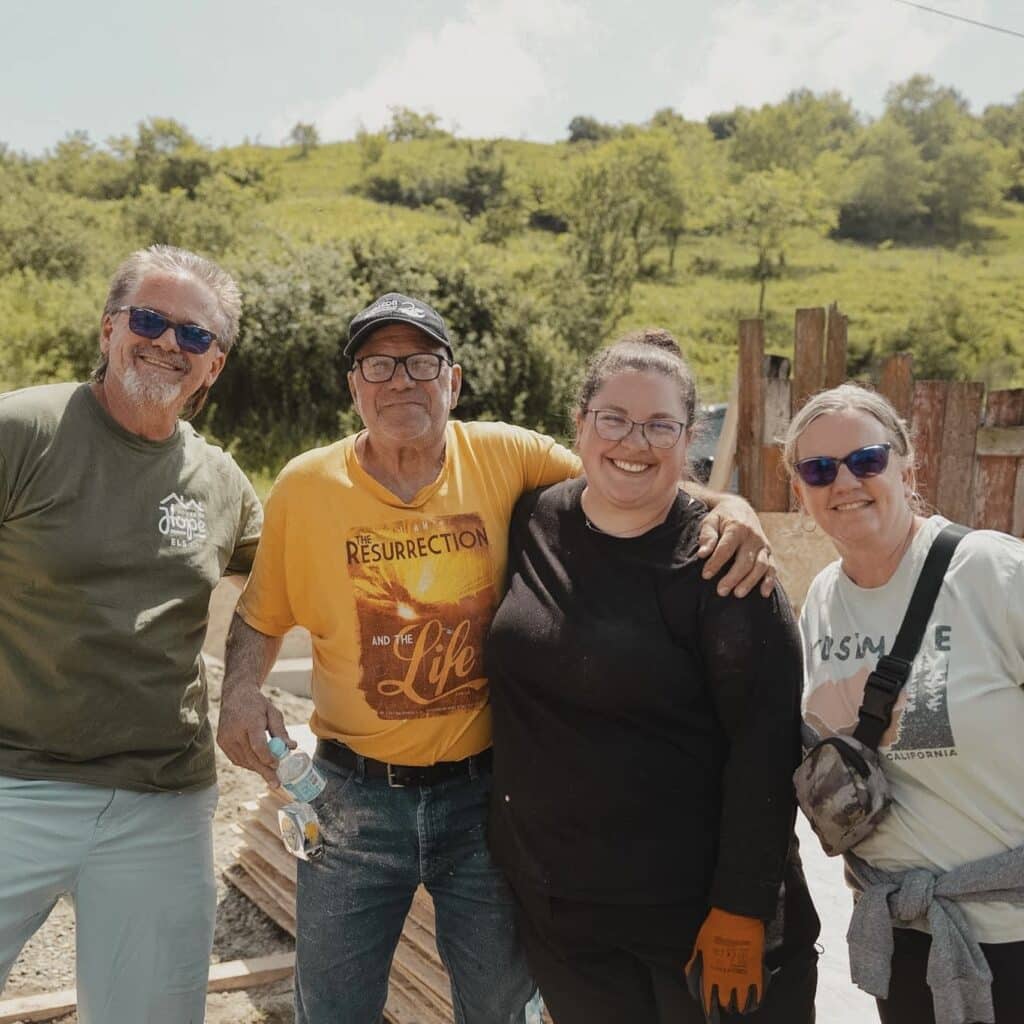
[731,530]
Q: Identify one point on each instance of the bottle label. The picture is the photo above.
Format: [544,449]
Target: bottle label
[308,786]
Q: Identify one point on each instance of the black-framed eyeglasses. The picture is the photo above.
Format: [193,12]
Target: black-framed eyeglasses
[418,366]
[149,324]
[658,433]
[822,470]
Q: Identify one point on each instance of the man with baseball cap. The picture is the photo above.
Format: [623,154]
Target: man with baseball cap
[390,547]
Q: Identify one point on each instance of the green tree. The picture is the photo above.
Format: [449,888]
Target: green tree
[305,136]
[964,180]
[219,214]
[595,284]
[407,125]
[934,115]
[886,186]
[51,234]
[768,209]
[793,133]
[589,129]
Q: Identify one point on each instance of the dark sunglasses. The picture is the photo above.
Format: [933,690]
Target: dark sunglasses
[148,323]
[821,470]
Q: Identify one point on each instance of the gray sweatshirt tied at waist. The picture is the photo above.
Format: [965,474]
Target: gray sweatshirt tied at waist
[958,973]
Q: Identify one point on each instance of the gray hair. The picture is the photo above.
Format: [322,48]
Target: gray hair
[859,399]
[168,259]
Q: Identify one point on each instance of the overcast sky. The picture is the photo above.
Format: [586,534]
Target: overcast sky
[236,69]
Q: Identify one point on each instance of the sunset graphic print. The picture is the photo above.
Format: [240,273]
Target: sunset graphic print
[424,594]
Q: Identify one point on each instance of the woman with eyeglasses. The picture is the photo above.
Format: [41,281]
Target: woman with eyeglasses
[953,754]
[646,730]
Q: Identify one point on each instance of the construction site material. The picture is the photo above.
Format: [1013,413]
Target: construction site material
[224,977]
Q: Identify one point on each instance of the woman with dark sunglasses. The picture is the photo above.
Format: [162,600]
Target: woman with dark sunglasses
[953,754]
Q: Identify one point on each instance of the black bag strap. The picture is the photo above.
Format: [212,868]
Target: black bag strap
[893,669]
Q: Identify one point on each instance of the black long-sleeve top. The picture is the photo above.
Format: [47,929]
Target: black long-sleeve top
[645,729]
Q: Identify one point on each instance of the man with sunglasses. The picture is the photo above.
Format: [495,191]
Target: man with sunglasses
[116,521]
[390,547]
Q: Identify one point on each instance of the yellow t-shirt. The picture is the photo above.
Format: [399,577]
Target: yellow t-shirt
[398,596]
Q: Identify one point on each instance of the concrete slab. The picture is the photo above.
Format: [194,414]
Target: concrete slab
[839,1000]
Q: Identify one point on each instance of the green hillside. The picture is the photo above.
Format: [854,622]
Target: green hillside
[538,254]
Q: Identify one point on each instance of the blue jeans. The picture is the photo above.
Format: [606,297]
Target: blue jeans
[380,843]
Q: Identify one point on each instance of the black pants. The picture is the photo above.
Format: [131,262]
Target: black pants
[610,964]
[910,998]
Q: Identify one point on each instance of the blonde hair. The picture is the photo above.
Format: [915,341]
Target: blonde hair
[859,399]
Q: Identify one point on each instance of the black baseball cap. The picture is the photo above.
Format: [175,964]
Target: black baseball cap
[395,308]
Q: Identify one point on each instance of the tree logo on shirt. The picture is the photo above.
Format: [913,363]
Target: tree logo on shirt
[424,591]
[182,520]
[920,726]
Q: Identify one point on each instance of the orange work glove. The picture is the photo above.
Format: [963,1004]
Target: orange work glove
[726,971]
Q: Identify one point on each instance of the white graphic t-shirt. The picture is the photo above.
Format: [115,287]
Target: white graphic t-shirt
[954,753]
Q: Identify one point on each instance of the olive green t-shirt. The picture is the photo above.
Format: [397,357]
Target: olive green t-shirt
[110,546]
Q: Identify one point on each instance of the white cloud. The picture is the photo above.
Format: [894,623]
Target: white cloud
[484,73]
[760,51]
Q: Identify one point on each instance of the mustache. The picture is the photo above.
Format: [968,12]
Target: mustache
[178,362]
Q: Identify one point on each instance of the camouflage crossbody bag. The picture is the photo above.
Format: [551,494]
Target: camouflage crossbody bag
[840,783]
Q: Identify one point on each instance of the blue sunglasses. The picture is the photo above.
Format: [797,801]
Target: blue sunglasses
[821,470]
[148,323]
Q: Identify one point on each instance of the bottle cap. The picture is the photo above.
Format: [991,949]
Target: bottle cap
[278,747]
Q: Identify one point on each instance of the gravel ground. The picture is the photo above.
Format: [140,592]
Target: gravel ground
[47,962]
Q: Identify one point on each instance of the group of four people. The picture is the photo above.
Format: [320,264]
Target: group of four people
[629,844]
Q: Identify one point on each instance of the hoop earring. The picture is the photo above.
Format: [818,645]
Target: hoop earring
[803,520]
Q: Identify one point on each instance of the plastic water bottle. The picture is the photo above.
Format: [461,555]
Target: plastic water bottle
[296,771]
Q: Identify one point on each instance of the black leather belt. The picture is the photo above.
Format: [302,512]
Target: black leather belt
[399,775]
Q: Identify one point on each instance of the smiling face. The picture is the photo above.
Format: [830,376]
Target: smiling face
[156,375]
[402,412]
[629,477]
[871,513]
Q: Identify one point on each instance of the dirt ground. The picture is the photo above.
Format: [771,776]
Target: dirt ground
[47,963]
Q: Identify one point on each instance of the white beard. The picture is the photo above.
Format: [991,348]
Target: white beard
[143,391]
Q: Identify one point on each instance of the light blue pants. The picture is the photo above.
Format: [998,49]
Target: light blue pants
[139,870]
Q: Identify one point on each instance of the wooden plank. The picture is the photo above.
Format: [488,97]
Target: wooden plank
[776,410]
[835,347]
[808,355]
[45,1006]
[270,848]
[245,884]
[272,883]
[956,470]
[774,480]
[929,420]
[406,1005]
[725,450]
[896,382]
[232,975]
[750,409]
[423,972]
[228,976]
[1001,442]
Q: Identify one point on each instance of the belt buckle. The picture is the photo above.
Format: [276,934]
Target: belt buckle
[392,782]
